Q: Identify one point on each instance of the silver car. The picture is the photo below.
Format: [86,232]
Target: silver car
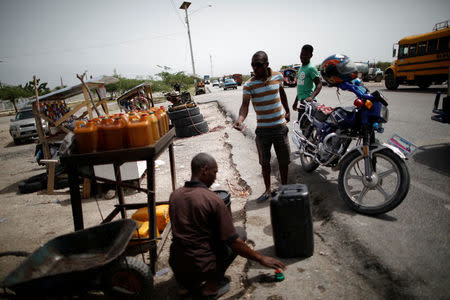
[23,126]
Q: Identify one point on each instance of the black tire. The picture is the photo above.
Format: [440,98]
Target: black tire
[401,183]
[33,184]
[128,278]
[17,141]
[308,163]
[183,113]
[191,130]
[378,78]
[31,187]
[390,82]
[188,121]
[424,84]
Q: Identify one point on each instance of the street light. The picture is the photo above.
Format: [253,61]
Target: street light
[185,6]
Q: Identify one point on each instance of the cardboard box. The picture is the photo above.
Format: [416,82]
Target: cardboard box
[128,171]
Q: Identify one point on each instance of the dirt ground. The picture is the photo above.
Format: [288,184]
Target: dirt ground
[28,221]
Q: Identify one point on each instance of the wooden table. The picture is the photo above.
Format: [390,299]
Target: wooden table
[75,162]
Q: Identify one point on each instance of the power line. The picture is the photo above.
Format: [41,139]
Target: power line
[89,47]
[178,14]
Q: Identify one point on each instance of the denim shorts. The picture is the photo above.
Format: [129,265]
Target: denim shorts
[278,137]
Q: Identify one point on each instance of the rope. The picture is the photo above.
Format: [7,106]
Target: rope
[195,127]
[98,207]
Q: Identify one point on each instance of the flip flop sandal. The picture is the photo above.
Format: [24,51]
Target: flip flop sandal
[263,198]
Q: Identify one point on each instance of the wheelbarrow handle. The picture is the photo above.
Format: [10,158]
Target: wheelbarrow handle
[15,253]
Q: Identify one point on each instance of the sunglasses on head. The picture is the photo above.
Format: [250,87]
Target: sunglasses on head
[257,64]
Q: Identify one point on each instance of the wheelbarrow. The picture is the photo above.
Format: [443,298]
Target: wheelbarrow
[83,261]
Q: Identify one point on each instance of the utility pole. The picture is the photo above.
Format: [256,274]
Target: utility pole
[185,6]
[210,59]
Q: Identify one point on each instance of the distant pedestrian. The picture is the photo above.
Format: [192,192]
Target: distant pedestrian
[269,100]
[176,87]
[308,80]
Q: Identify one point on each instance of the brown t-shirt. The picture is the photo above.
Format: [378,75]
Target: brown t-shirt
[200,221]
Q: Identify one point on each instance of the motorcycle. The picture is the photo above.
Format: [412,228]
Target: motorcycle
[373,177]
[177,98]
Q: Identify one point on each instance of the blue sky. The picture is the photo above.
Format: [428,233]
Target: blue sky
[53,39]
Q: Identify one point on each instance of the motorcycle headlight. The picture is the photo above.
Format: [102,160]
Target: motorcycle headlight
[384,114]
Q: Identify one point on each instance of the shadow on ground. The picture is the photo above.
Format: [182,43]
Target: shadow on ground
[323,191]
[412,89]
[435,157]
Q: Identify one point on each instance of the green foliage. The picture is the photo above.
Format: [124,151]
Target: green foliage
[41,87]
[12,92]
[383,65]
[169,79]
[59,87]
[245,78]
[162,82]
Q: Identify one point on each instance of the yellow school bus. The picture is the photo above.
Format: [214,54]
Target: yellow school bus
[421,60]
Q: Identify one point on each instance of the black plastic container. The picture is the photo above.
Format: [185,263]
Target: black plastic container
[226,197]
[292,227]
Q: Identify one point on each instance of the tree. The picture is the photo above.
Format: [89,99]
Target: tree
[12,93]
[383,65]
[41,87]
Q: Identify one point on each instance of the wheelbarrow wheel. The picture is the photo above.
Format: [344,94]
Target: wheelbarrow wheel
[129,278]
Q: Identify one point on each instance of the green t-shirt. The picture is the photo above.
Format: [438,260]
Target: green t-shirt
[305,83]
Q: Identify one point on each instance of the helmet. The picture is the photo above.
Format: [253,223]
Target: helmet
[338,68]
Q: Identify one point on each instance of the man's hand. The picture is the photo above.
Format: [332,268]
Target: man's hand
[287,116]
[294,107]
[271,262]
[309,99]
[239,126]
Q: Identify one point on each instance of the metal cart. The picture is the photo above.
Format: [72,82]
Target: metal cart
[77,164]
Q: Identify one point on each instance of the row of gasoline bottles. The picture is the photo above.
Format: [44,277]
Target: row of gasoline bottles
[120,131]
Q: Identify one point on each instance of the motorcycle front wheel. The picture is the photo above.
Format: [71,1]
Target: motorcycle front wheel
[387,188]
[309,164]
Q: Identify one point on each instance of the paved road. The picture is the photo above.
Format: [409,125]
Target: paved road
[410,245]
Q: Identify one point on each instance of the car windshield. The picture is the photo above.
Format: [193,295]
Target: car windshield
[26,114]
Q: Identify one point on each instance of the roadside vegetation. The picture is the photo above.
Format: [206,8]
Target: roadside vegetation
[161,82]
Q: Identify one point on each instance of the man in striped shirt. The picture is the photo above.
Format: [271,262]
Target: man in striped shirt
[269,100]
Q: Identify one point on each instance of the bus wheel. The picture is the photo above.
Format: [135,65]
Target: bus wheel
[424,84]
[390,82]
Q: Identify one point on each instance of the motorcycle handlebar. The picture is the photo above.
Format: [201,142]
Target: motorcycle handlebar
[347,86]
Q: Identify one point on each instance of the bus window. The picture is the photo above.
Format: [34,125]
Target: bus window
[432,46]
[412,50]
[443,43]
[421,48]
[403,51]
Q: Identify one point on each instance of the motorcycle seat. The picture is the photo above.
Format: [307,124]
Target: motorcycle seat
[346,108]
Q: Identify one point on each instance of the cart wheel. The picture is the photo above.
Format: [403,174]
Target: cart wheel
[129,278]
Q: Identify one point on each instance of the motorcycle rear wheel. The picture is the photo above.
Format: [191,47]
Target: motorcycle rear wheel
[308,163]
[389,186]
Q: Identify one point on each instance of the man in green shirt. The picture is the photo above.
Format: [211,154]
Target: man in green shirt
[308,81]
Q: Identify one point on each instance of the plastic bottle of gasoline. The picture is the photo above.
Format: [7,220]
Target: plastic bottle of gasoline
[154,126]
[86,136]
[139,131]
[114,133]
[161,126]
[165,117]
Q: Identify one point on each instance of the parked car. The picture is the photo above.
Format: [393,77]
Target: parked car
[215,83]
[23,126]
[229,84]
